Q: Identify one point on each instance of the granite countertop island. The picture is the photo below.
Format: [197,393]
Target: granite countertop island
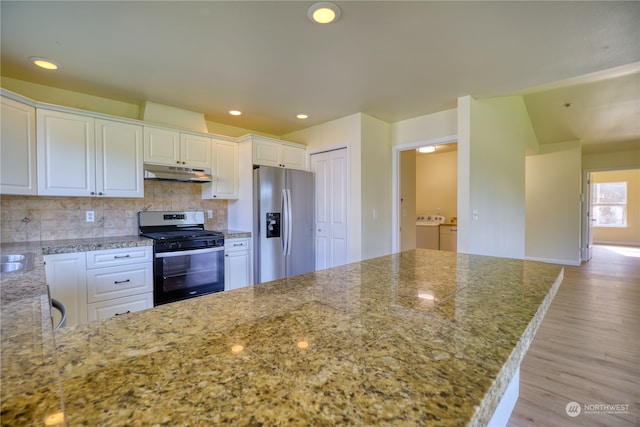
[421,337]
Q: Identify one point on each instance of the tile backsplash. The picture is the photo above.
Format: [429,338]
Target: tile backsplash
[36,218]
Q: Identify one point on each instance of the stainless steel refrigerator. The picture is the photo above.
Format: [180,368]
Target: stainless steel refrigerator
[282,223]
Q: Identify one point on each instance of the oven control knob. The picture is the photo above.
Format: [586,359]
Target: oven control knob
[172,245]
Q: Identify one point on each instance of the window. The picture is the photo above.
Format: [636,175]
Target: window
[609,203]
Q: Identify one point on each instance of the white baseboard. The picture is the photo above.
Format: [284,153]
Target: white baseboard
[555,261]
[610,243]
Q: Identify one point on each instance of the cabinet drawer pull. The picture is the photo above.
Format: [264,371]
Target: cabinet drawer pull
[120,314]
[121,256]
[238,244]
[117,282]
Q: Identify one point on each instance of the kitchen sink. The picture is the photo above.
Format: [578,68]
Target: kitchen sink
[16,262]
[12,258]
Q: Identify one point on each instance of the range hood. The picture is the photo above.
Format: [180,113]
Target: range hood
[176,173]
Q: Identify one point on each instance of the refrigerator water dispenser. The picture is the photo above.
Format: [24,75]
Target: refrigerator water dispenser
[273,224]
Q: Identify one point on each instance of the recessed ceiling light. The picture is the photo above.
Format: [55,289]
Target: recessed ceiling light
[45,63]
[302,116]
[235,112]
[324,12]
[427,149]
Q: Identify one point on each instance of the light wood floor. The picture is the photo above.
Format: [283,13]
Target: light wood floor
[587,349]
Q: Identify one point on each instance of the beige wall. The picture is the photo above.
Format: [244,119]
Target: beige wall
[492,138]
[629,235]
[425,128]
[376,187]
[612,160]
[553,181]
[35,218]
[437,184]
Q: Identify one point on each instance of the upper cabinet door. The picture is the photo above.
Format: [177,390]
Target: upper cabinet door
[266,153]
[119,159]
[173,148]
[66,154]
[17,148]
[226,169]
[195,150]
[161,146]
[279,154]
[293,157]
[225,183]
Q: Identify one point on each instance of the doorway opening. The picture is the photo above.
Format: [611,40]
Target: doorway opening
[611,212]
[405,204]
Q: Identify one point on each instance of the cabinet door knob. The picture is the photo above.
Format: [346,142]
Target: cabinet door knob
[93,193]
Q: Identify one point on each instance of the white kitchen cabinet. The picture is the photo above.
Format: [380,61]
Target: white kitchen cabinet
[117,307]
[66,154]
[119,257]
[161,146]
[119,281]
[279,154]
[119,161]
[173,148]
[195,150]
[115,282]
[66,278]
[17,148]
[225,179]
[95,285]
[293,157]
[237,263]
[82,156]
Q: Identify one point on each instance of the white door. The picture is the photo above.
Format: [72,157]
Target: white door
[330,169]
[587,218]
[408,200]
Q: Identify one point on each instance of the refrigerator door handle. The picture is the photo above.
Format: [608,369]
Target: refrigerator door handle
[284,223]
[289,221]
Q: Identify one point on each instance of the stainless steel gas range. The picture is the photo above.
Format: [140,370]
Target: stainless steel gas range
[188,260]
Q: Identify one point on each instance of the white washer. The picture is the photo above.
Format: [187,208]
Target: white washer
[428,234]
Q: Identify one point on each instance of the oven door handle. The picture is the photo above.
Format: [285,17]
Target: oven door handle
[191,252]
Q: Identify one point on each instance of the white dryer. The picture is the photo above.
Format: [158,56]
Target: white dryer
[428,231]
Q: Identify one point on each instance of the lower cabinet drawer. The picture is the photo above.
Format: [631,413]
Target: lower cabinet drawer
[116,282]
[113,257]
[237,244]
[117,307]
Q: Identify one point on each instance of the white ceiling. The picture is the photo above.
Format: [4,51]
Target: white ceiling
[392,60]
